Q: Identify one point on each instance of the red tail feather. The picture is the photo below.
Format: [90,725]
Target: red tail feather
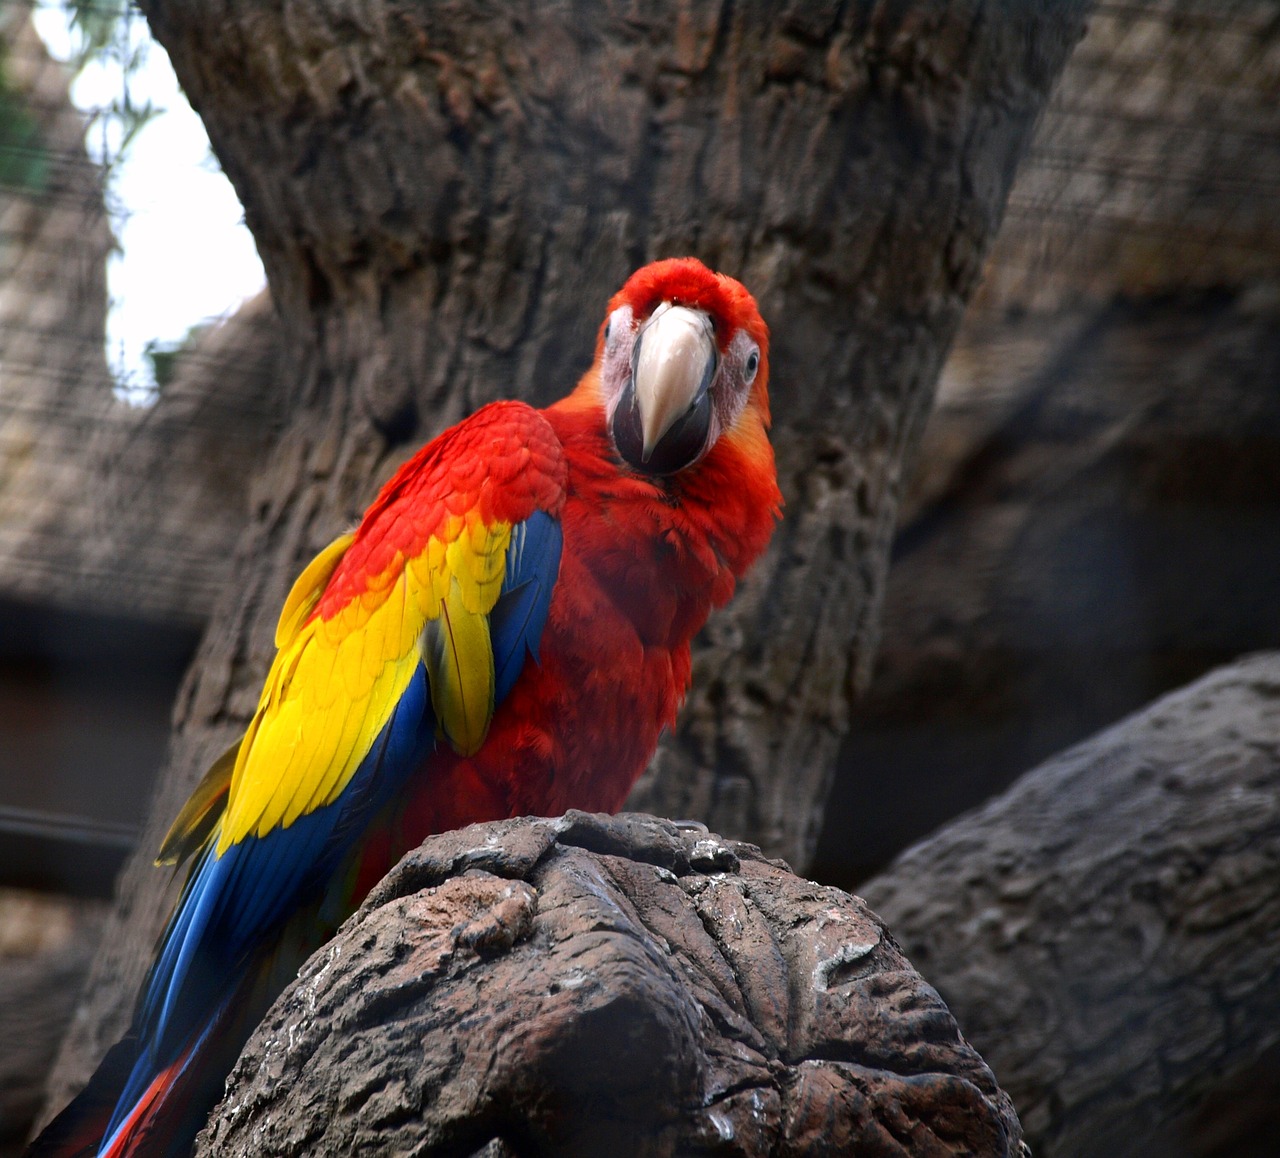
[149,1112]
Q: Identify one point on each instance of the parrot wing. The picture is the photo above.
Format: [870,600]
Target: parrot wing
[407,633]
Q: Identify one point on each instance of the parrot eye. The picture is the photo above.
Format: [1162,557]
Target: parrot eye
[608,329]
[753,364]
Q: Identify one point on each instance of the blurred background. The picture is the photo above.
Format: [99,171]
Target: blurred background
[1094,520]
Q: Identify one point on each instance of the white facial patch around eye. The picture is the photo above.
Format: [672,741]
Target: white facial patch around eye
[615,325]
[615,368]
[743,364]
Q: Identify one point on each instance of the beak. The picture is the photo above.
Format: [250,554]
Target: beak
[663,419]
[675,359]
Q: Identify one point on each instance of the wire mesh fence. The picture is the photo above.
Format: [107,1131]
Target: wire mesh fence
[1156,167]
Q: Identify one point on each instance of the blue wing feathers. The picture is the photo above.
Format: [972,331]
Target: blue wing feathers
[516,622]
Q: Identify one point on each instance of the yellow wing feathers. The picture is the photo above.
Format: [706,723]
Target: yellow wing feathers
[338,676]
[456,645]
[307,589]
[459,658]
[465,551]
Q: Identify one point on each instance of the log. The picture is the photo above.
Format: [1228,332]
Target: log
[1107,930]
[621,986]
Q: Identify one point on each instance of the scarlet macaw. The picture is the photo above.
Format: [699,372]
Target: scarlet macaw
[506,632]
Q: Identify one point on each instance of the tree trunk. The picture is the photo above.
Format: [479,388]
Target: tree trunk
[445,195]
[1106,930]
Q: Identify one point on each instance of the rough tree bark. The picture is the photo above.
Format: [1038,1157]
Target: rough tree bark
[444,196]
[1106,931]
[609,985]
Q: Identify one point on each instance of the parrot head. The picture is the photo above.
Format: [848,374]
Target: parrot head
[683,357]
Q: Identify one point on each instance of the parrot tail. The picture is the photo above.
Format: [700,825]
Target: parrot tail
[77,1131]
[145,1120]
[162,1119]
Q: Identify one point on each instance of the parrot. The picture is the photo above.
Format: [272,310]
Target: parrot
[506,632]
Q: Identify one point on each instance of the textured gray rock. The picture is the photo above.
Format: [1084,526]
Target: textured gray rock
[1097,524]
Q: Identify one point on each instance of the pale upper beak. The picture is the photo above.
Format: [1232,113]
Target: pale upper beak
[674,362]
